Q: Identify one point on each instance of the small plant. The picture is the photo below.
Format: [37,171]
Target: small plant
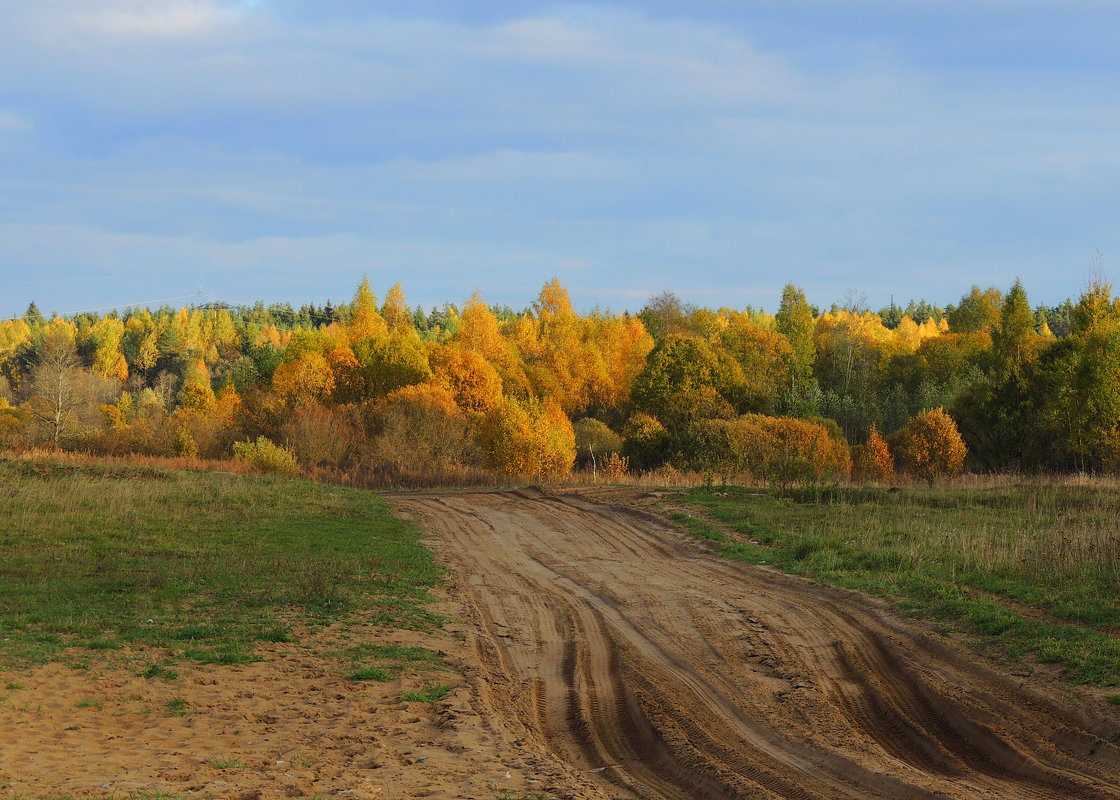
[1114,700]
[277,633]
[373,674]
[177,706]
[159,671]
[429,694]
[265,456]
[228,762]
[13,686]
[90,702]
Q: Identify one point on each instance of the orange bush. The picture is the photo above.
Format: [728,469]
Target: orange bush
[930,446]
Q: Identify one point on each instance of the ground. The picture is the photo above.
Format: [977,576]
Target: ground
[596,652]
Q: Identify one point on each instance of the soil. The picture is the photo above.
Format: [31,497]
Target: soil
[600,653]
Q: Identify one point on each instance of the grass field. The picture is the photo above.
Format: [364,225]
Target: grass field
[1027,570]
[103,556]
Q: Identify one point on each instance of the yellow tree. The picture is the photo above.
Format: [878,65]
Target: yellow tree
[765,357]
[365,321]
[468,377]
[197,396]
[106,335]
[395,311]
[618,346]
[480,331]
[306,379]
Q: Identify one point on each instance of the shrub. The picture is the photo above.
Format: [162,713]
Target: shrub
[420,428]
[930,446]
[780,450]
[528,438]
[872,462]
[645,442]
[265,456]
[595,442]
[615,467]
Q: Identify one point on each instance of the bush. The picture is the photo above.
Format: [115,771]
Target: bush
[780,450]
[595,442]
[930,446]
[265,456]
[872,462]
[615,467]
[645,442]
[528,438]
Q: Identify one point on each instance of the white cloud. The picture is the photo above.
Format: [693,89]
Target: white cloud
[11,123]
[159,19]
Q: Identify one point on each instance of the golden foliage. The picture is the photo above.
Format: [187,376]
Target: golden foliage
[365,321]
[395,312]
[308,378]
[531,439]
[265,456]
[616,467]
[421,429]
[780,450]
[468,377]
[197,396]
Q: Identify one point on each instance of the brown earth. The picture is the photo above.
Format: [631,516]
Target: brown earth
[639,665]
[600,653]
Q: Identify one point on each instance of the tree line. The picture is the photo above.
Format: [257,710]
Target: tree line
[803,394]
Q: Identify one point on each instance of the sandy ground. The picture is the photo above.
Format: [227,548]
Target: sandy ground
[601,653]
[292,725]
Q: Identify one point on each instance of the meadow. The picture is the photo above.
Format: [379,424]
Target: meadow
[100,557]
[1028,570]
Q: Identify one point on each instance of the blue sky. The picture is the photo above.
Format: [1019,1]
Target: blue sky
[279,151]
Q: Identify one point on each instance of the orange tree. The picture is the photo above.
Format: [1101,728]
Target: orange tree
[872,462]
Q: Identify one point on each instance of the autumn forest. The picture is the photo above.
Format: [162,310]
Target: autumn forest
[375,392]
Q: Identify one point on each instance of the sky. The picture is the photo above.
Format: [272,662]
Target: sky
[185,151]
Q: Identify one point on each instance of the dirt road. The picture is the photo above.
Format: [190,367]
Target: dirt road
[629,663]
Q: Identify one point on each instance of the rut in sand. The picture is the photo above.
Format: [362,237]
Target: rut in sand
[641,666]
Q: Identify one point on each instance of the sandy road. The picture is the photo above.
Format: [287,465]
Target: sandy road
[639,666]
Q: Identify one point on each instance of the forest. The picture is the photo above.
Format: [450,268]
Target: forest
[379,393]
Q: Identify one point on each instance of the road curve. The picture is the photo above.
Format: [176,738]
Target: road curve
[652,669]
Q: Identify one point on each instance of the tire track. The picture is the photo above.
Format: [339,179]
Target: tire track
[650,669]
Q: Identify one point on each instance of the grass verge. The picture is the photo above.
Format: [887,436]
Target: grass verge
[1026,570]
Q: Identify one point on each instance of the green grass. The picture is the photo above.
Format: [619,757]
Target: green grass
[429,694]
[381,674]
[1025,569]
[154,671]
[90,702]
[206,565]
[227,762]
[177,706]
[391,660]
